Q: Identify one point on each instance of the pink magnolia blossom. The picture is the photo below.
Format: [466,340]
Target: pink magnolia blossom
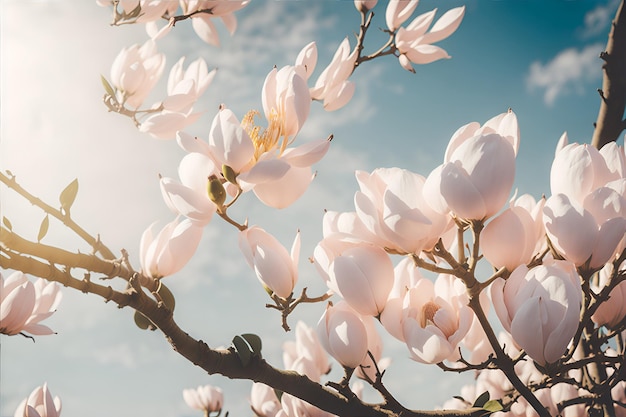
[476,178]
[365,5]
[398,11]
[540,307]
[189,196]
[206,398]
[512,238]
[332,86]
[612,311]
[184,88]
[578,170]
[202,23]
[362,274]
[263,400]
[343,334]
[392,207]
[435,318]
[171,248]
[135,71]
[23,305]
[415,44]
[39,404]
[590,232]
[306,347]
[274,266]
[286,98]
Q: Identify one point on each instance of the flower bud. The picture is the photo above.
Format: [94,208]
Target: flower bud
[216,190]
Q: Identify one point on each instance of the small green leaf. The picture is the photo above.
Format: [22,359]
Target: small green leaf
[167,296]
[107,87]
[68,195]
[243,350]
[493,406]
[143,322]
[43,228]
[254,342]
[7,223]
[481,400]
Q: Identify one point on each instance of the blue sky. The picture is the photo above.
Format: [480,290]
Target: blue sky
[539,58]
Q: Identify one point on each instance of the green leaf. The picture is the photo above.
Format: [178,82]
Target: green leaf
[7,223]
[254,342]
[68,195]
[143,322]
[243,350]
[481,400]
[43,228]
[107,87]
[493,406]
[167,297]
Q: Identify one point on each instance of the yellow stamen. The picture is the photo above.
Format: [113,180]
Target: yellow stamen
[265,140]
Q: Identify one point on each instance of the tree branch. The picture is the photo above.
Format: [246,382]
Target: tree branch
[610,124]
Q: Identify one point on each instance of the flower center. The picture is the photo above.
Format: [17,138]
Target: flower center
[268,139]
[428,314]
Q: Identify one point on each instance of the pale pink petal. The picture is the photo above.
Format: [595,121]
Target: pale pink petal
[205,29]
[285,191]
[307,154]
[339,96]
[445,25]
[399,11]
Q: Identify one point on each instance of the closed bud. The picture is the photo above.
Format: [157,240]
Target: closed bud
[216,190]
[229,174]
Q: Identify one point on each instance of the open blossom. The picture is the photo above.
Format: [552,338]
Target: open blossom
[477,175]
[262,160]
[360,272]
[24,304]
[276,268]
[39,404]
[184,88]
[332,86]
[435,318]
[206,398]
[135,71]
[169,250]
[343,334]
[540,307]
[392,207]
[415,44]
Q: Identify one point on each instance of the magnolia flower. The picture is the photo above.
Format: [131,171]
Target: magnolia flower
[540,307]
[511,238]
[184,88]
[206,398]
[415,45]
[170,250]
[263,400]
[190,197]
[202,23]
[435,318]
[343,334]
[135,71]
[612,311]
[477,175]
[392,207]
[591,232]
[24,304]
[39,404]
[332,86]
[274,266]
[365,5]
[306,346]
[361,273]
[398,11]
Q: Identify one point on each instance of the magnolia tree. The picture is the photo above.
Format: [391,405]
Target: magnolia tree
[542,329]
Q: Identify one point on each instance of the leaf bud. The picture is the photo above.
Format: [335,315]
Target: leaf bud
[216,190]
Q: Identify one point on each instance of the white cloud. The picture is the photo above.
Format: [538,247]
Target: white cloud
[568,72]
[598,19]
